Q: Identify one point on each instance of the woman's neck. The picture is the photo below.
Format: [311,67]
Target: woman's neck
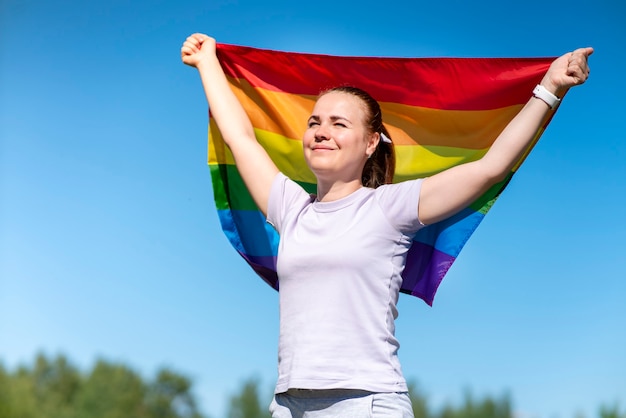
[331,191]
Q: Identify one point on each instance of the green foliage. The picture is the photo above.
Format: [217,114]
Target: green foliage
[56,389]
[247,403]
[612,412]
[5,406]
[485,408]
[170,397]
[471,408]
[419,402]
[111,391]
[48,389]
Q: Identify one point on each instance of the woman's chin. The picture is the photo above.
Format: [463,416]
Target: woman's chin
[320,164]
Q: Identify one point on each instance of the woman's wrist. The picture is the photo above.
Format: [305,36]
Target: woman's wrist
[542,93]
[207,62]
[552,88]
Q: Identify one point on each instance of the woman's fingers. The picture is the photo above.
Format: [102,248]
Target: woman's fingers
[578,65]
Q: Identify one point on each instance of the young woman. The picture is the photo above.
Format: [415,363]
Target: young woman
[337,349]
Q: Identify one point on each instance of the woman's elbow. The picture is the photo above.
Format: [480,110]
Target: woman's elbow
[494,174]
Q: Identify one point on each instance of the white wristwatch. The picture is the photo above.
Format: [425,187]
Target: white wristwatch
[542,93]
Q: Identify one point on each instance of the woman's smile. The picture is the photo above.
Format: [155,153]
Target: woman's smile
[321,147]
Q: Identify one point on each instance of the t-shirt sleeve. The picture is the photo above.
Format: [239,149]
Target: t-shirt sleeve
[284,194]
[399,202]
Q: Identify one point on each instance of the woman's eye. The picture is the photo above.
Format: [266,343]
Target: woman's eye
[312,124]
[341,125]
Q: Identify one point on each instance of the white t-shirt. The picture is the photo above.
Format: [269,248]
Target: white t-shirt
[339,269]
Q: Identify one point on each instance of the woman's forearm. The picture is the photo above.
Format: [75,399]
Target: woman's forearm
[228,113]
[515,139]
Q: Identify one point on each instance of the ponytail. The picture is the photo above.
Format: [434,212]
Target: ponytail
[380,167]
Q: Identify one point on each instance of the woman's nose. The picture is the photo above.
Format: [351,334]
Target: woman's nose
[321,133]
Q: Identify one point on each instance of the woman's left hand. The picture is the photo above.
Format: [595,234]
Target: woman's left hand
[567,71]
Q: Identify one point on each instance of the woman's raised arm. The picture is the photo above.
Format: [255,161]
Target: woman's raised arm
[446,193]
[254,164]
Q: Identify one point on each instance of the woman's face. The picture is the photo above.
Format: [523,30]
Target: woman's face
[336,142]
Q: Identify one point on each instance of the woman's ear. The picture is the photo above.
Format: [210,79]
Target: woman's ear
[372,142]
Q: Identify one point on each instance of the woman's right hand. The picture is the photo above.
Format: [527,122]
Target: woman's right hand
[197,48]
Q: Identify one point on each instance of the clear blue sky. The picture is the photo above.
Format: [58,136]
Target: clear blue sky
[110,245]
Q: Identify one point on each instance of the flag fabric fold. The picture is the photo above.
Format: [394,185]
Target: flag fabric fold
[440,112]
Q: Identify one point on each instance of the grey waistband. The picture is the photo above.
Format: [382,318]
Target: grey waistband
[327,393]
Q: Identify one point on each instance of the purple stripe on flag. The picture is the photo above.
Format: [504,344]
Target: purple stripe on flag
[425,268]
[264,266]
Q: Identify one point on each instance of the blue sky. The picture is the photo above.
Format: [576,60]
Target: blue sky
[110,246]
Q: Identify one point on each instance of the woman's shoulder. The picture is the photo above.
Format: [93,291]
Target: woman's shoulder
[405,186]
[400,203]
[288,191]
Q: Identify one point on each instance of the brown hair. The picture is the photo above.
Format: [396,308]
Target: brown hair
[380,167]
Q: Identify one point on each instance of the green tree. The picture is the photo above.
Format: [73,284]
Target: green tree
[611,412]
[169,396]
[111,391]
[486,408]
[56,389]
[246,404]
[22,395]
[53,388]
[55,384]
[45,390]
[418,401]
[5,396]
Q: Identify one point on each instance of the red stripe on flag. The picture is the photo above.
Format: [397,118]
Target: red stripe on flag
[439,83]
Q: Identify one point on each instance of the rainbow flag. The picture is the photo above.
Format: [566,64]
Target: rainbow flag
[440,112]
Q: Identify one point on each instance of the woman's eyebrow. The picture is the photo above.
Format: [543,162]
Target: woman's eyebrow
[336,118]
[333,118]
